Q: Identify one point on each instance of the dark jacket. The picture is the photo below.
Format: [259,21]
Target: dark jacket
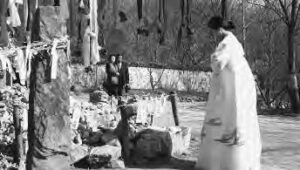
[124,74]
[111,71]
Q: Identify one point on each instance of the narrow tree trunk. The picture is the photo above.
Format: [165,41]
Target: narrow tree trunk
[125,134]
[49,130]
[244,26]
[292,76]
[224,8]
[72,18]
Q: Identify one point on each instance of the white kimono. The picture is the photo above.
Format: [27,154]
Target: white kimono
[230,138]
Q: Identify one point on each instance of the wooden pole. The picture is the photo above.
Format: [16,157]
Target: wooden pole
[18,142]
[125,133]
[174,107]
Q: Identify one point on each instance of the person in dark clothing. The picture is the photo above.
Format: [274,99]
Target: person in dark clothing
[122,68]
[112,82]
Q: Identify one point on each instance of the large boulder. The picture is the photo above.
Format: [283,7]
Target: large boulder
[103,156]
[162,142]
[153,143]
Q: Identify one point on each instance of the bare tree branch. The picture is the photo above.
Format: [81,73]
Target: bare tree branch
[270,6]
[285,10]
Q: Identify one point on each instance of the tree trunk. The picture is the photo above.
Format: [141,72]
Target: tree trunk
[244,27]
[224,8]
[292,82]
[49,130]
[72,24]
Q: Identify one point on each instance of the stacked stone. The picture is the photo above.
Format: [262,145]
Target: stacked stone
[10,97]
[13,125]
[95,143]
[100,146]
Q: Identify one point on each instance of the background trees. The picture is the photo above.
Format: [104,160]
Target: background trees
[174,34]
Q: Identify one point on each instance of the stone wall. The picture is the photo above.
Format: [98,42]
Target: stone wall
[140,78]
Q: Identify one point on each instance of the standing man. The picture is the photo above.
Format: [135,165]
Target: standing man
[124,75]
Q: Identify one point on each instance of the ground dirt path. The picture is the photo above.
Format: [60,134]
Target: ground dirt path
[280,136]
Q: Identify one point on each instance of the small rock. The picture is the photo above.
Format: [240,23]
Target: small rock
[181,137]
[117,164]
[95,138]
[107,151]
[131,110]
[111,139]
[78,153]
[98,96]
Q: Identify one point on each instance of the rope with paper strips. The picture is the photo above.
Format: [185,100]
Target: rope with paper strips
[19,57]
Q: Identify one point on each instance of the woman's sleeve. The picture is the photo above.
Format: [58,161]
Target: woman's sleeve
[219,58]
[127,74]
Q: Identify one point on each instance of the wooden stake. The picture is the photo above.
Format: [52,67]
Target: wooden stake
[174,107]
[18,134]
[125,134]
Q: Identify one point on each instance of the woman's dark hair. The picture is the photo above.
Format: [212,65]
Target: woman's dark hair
[217,22]
[110,57]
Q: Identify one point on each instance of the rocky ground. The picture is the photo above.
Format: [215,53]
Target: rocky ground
[280,136]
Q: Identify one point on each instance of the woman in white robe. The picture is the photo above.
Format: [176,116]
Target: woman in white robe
[230,137]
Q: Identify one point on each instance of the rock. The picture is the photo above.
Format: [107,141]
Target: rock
[77,89]
[109,138]
[107,151]
[117,164]
[83,130]
[153,143]
[95,138]
[93,162]
[98,96]
[49,116]
[49,24]
[181,137]
[102,156]
[131,109]
[78,152]
[156,142]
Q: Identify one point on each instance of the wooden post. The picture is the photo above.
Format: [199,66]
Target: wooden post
[18,142]
[125,133]
[174,107]
[49,130]
[2,79]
